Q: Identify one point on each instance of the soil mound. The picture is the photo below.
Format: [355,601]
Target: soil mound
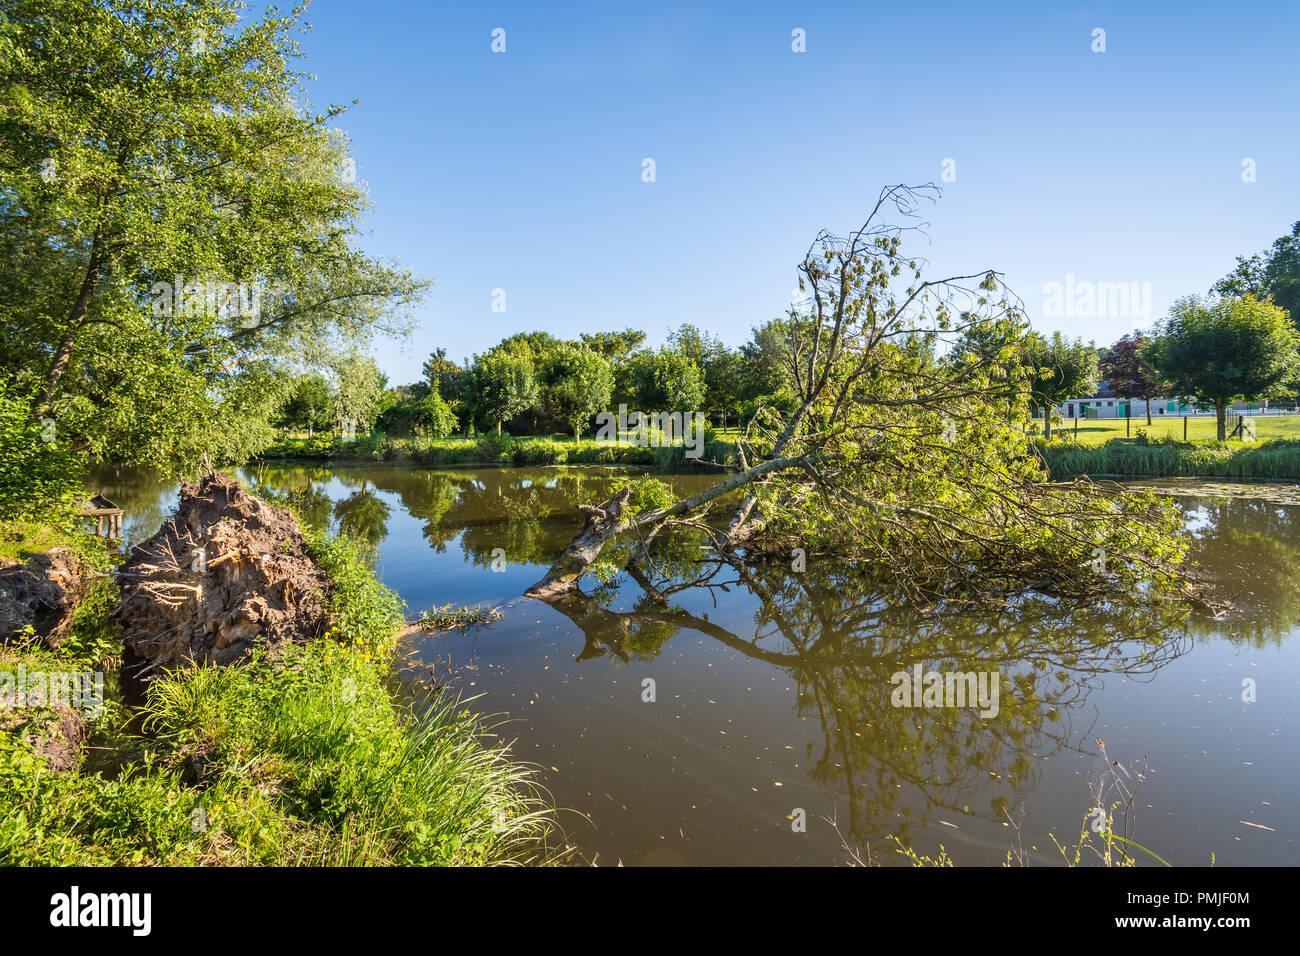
[43,592]
[226,573]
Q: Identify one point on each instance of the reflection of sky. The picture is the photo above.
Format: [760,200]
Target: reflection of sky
[709,772]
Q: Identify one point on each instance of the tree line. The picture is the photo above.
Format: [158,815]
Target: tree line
[534,383]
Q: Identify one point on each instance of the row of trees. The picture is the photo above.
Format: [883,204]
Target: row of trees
[1214,352]
[1238,345]
[536,383]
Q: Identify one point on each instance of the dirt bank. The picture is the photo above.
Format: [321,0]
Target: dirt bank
[43,592]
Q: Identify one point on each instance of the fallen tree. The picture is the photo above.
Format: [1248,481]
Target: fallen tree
[907,448]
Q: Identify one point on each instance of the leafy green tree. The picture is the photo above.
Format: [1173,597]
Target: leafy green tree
[719,366]
[1273,274]
[505,384]
[767,358]
[437,366]
[178,232]
[724,384]
[1226,350]
[1129,375]
[663,380]
[577,384]
[357,391]
[702,348]
[615,346]
[1061,369]
[423,412]
[679,381]
[309,404]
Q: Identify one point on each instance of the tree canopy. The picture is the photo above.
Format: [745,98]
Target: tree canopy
[1062,369]
[178,227]
[1226,350]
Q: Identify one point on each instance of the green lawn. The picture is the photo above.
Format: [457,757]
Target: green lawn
[1096,431]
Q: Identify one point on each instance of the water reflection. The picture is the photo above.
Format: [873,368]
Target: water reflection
[835,635]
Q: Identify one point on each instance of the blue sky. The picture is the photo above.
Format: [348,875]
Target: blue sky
[522,170]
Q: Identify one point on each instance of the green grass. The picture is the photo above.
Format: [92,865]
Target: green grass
[304,760]
[20,540]
[1096,431]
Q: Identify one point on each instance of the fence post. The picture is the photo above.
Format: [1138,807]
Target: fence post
[1184,428]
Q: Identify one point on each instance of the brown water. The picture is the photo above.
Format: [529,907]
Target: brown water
[772,695]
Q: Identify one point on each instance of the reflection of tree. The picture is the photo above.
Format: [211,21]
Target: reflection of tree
[146,497]
[363,517]
[842,637]
[1247,547]
[301,487]
[839,635]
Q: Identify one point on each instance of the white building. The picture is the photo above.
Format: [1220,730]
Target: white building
[1113,406]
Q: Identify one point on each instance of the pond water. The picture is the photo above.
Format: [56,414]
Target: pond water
[774,697]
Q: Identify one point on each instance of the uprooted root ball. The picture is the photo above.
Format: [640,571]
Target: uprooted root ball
[226,573]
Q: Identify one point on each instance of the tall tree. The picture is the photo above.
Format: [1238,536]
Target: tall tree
[358,390]
[309,404]
[505,384]
[1273,274]
[437,366]
[1062,369]
[578,384]
[171,221]
[1123,367]
[1226,350]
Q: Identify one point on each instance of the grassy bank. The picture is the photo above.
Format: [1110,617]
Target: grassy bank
[496,450]
[306,760]
[1167,458]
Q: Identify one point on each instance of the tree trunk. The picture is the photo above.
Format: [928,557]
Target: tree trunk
[1047,423]
[601,524]
[605,521]
[1221,412]
[498,427]
[76,317]
[1148,401]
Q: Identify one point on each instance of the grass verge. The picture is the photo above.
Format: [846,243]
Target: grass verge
[304,760]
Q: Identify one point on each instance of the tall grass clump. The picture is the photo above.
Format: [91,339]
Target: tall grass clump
[372,783]
[1167,458]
